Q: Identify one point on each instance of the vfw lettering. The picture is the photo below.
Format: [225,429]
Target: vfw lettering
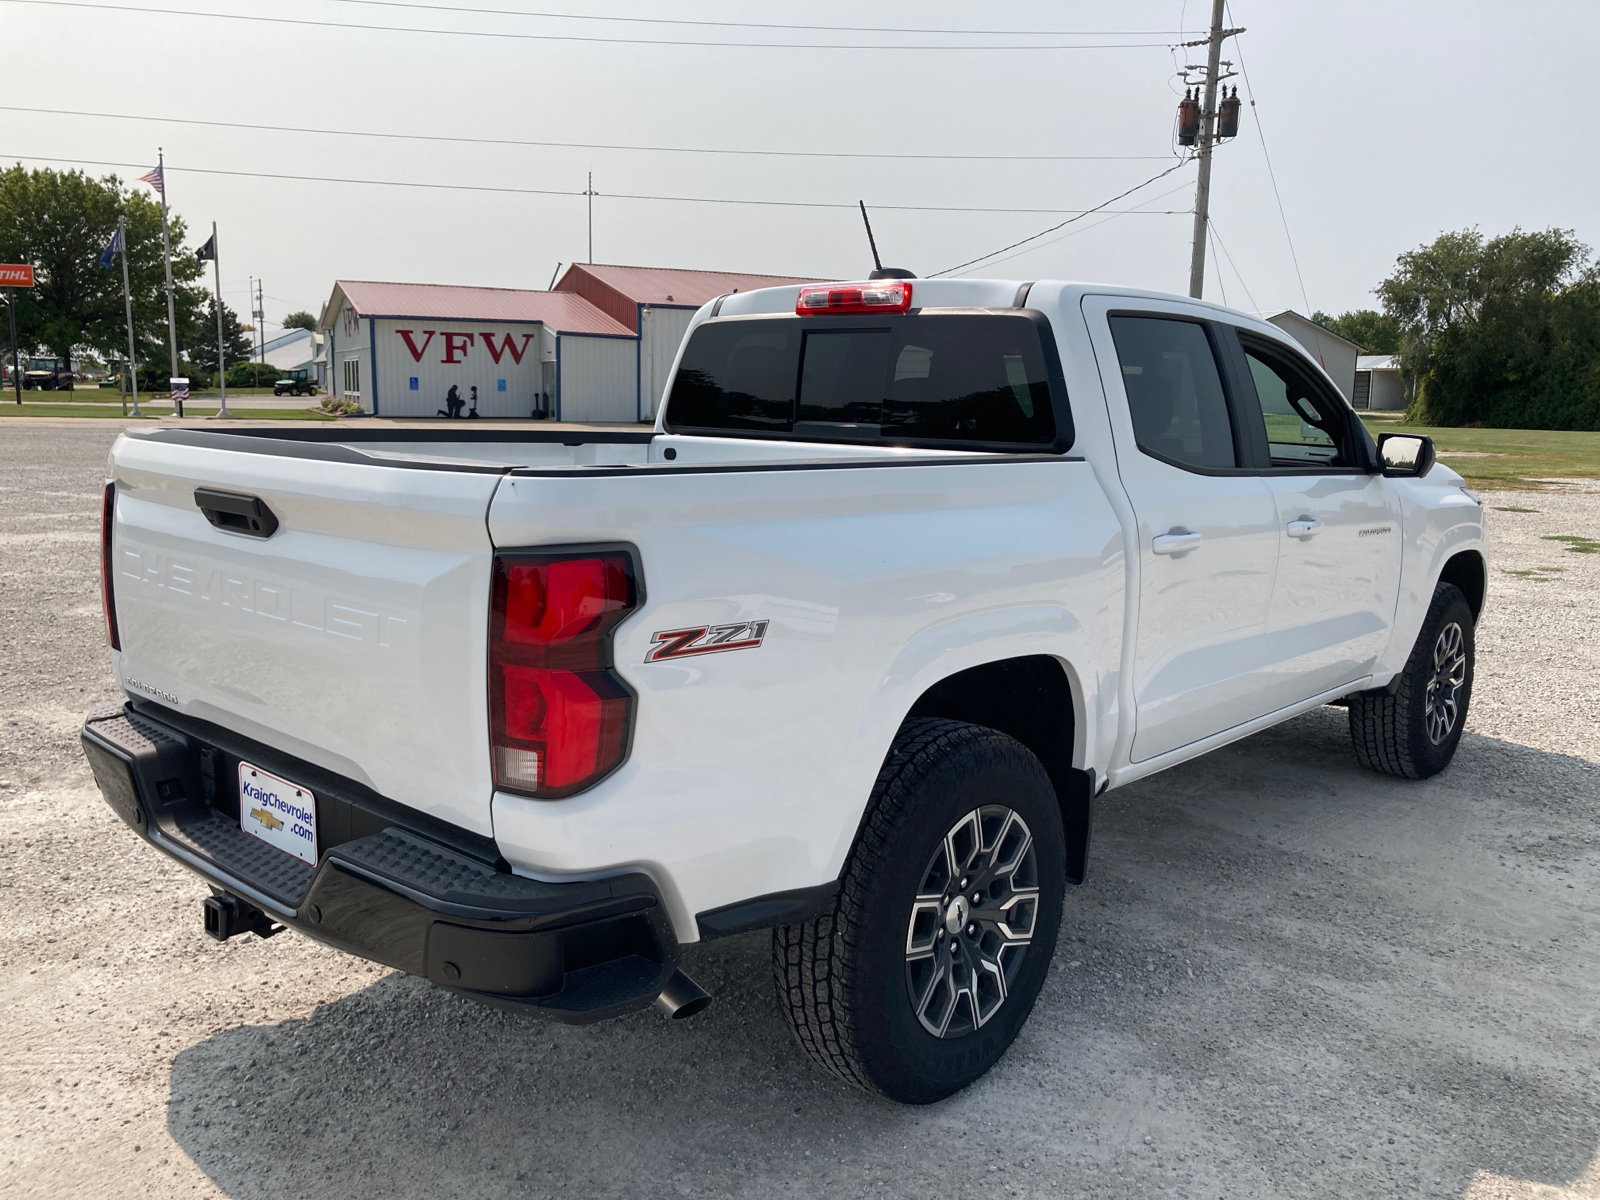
[453,347]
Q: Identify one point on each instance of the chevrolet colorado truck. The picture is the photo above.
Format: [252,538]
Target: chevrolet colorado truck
[907,573]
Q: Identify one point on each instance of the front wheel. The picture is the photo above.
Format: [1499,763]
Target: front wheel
[942,933]
[1413,732]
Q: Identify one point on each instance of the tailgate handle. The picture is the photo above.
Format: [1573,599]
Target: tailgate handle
[237,513]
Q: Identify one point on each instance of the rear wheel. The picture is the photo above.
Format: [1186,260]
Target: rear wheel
[945,923]
[1414,731]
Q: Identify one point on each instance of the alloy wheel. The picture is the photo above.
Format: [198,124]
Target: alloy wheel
[1442,704]
[972,921]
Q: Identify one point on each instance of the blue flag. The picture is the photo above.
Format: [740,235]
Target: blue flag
[109,254]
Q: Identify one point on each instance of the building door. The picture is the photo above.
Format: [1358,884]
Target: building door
[1207,524]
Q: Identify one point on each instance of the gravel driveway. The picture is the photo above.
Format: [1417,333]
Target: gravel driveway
[1286,976]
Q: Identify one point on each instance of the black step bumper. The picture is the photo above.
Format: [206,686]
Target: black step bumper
[573,952]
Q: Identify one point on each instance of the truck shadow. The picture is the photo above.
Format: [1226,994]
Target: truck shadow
[1286,976]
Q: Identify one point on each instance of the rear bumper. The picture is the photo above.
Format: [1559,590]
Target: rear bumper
[573,952]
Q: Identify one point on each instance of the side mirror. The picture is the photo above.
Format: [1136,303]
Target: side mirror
[1405,455]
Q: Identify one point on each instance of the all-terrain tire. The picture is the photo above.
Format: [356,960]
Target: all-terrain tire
[1405,733]
[845,979]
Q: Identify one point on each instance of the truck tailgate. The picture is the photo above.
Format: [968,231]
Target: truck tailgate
[352,637]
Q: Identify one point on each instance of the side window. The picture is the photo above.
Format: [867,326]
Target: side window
[1306,426]
[1175,396]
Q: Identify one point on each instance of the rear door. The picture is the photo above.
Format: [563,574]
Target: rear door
[354,636]
[1207,524]
[1339,542]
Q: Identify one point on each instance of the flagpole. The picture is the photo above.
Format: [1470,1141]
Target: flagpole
[166,261]
[222,358]
[127,302]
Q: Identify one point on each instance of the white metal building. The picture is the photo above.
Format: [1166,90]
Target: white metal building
[655,304]
[291,349]
[399,348]
[1336,354]
[1378,383]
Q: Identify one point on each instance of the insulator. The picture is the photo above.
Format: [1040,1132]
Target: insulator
[1188,119]
[1228,116]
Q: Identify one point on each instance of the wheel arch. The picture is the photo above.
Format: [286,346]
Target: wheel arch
[1035,699]
[1467,571]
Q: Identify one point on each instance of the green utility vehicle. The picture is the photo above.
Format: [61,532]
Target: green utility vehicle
[295,383]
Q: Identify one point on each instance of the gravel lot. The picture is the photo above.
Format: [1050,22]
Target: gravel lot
[1286,977]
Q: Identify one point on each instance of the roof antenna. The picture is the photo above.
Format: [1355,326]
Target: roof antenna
[879,270]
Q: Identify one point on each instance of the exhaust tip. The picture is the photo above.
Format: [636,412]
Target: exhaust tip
[682,998]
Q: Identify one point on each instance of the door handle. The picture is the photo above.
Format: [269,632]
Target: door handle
[1304,528]
[1175,543]
[236,513]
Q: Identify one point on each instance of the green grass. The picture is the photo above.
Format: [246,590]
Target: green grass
[114,412]
[1575,542]
[1545,573]
[87,394]
[1515,455]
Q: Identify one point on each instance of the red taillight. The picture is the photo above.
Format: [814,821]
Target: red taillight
[879,296]
[559,717]
[107,598]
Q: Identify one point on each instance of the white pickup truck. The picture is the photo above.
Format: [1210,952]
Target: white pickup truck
[907,573]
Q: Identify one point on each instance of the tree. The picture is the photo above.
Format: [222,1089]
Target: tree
[203,341]
[1501,332]
[60,221]
[1374,332]
[300,320]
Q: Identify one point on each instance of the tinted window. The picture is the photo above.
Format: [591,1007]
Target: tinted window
[841,375]
[737,375]
[971,378]
[1174,391]
[1305,425]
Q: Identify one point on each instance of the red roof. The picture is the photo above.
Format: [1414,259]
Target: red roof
[619,291]
[564,312]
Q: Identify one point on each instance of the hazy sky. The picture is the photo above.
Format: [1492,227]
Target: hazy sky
[1387,123]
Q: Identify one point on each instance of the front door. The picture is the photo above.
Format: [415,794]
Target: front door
[1207,523]
[1339,542]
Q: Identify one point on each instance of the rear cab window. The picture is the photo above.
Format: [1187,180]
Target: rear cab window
[979,379]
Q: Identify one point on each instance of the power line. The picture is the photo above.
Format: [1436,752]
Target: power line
[1272,175]
[485,141]
[516,191]
[1223,246]
[1086,212]
[567,37]
[1212,234]
[1110,214]
[564,16]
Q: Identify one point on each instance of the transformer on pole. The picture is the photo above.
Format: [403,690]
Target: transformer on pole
[1199,125]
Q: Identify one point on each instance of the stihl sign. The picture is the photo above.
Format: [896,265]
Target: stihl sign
[16,275]
[453,347]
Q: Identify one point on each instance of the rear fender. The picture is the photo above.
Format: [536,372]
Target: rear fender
[975,640]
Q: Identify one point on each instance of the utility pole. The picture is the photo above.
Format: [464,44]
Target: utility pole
[1207,139]
[16,371]
[1208,120]
[259,316]
[589,192]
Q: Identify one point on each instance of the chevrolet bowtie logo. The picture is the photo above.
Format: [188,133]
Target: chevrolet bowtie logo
[266,818]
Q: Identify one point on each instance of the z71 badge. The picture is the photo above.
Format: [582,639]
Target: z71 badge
[705,639]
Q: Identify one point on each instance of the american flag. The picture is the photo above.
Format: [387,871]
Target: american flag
[154,180]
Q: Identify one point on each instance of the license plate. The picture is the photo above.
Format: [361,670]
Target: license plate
[280,813]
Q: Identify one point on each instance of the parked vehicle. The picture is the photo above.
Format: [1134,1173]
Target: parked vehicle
[907,574]
[295,383]
[47,375]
